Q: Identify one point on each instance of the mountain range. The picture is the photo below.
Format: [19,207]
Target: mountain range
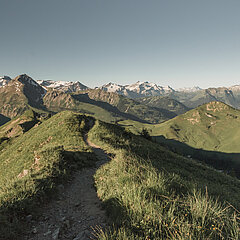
[138,89]
[63,86]
[23,93]
[190,97]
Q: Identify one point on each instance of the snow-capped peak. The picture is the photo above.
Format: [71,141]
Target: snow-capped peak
[138,89]
[235,88]
[64,86]
[112,87]
[189,89]
[4,80]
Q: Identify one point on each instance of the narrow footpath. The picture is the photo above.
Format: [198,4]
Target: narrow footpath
[76,211]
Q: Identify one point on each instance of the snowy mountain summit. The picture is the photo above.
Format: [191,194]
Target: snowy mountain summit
[189,89]
[62,85]
[4,80]
[138,89]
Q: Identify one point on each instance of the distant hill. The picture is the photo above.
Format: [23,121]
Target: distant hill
[193,99]
[161,104]
[190,97]
[134,107]
[106,106]
[164,103]
[212,126]
[210,133]
[57,101]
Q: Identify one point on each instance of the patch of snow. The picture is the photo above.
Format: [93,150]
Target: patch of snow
[138,89]
[189,89]
[4,80]
[65,86]
[235,88]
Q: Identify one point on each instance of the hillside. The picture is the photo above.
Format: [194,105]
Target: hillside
[209,133]
[109,107]
[152,193]
[34,162]
[134,107]
[21,124]
[148,191]
[212,126]
[56,101]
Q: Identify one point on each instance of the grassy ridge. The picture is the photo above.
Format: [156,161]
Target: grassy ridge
[152,193]
[33,163]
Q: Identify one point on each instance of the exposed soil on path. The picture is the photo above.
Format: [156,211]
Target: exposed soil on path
[76,210]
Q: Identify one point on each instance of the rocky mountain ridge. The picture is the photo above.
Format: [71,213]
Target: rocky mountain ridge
[190,97]
[63,86]
[138,89]
[4,80]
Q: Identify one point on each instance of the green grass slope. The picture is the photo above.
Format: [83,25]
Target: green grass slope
[213,126]
[152,193]
[31,164]
[21,124]
[209,133]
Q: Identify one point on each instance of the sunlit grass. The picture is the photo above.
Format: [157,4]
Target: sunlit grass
[150,193]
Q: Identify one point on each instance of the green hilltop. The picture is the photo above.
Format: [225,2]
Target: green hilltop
[152,193]
[212,126]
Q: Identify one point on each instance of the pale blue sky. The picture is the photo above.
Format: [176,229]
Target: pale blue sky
[169,42]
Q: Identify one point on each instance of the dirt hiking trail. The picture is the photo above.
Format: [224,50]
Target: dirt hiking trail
[76,208]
